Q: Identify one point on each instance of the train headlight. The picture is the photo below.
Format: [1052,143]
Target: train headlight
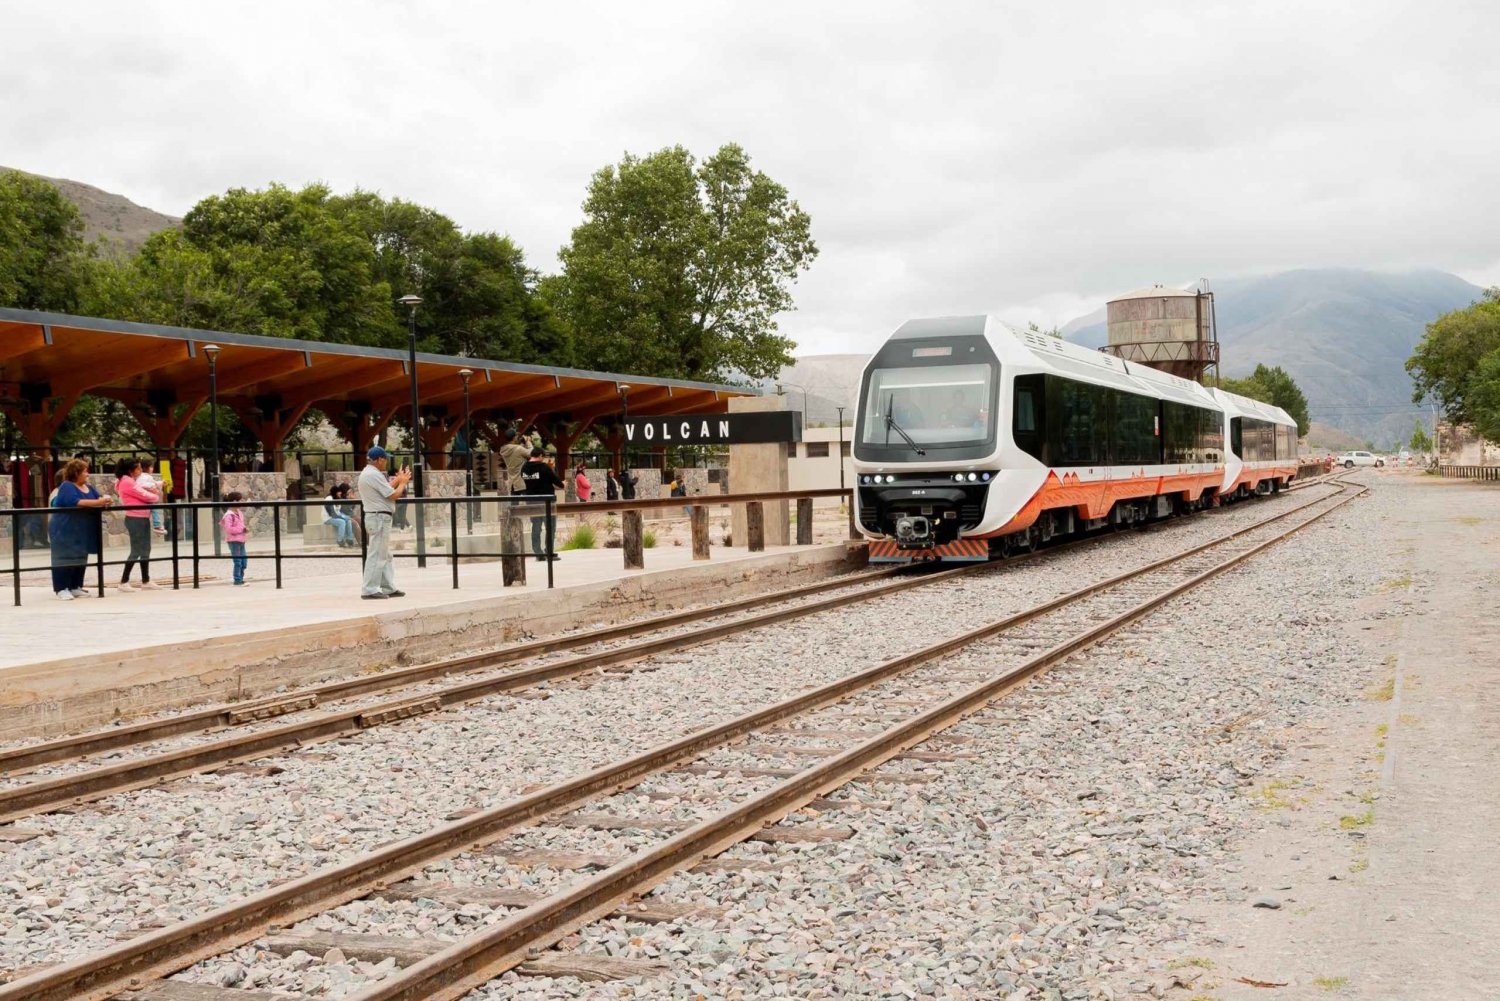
[985,477]
[973,477]
[865,480]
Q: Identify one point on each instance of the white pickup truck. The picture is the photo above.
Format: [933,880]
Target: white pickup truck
[1351,459]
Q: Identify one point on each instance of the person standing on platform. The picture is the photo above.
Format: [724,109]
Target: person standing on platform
[235,533]
[582,483]
[514,454]
[628,480]
[74,534]
[611,486]
[137,522]
[541,481]
[378,495]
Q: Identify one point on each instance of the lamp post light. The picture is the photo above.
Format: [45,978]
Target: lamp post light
[841,447]
[411,302]
[465,374]
[782,387]
[211,351]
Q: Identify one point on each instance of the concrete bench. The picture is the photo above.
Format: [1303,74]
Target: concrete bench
[318,534]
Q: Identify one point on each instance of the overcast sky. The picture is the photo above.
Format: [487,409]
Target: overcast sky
[954,158]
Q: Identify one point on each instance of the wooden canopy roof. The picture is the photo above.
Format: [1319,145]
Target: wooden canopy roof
[161,373]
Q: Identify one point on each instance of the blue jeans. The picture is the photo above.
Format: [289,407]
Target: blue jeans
[343,527]
[237,550]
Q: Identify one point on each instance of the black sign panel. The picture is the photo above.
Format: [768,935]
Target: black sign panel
[715,429]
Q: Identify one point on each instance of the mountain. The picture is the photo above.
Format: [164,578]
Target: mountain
[1343,334]
[830,381]
[121,223]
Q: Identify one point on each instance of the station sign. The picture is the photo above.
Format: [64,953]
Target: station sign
[715,429]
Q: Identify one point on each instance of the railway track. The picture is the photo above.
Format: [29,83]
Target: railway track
[264,727]
[842,725]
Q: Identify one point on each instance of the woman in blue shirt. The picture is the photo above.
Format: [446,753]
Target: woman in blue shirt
[74,533]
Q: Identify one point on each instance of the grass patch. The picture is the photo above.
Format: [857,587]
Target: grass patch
[1367,797]
[583,536]
[1384,693]
[648,539]
[1408,719]
[1199,961]
[1382,730]
[1396,583]
[1359,865]
[1470,520]
[1330,983]
[1351,823]
[1271,797]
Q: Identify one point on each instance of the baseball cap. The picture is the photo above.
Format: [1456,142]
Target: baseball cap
[376,452]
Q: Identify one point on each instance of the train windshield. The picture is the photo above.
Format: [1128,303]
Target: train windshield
[933,404]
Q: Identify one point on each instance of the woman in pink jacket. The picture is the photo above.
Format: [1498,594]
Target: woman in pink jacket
[137,523]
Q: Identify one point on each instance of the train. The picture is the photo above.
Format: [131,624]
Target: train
[973,440]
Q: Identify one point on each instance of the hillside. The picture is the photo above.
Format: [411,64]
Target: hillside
[1344,335]
[119,221]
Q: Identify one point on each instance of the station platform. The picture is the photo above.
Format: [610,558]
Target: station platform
[70,665]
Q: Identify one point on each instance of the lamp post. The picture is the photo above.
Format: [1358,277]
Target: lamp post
[782,387]
[212,353]
[841,447]
[411,302]
[465,374]
[624,388]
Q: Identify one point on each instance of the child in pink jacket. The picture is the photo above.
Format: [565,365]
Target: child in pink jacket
[235,534]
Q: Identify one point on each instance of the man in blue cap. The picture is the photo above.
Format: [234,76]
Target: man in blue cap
[379,494]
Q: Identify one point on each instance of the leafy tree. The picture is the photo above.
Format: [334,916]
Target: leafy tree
[479,297]
[45,263]
[1458,361]
[1056,331]
[1276,387]
[680,268]
[1420,444]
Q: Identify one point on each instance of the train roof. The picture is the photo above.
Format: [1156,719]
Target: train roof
[1243,406]
[1076,362]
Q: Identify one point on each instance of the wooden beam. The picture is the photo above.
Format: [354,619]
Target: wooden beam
[119,365]
[284,363]
[350,380]
[22,343]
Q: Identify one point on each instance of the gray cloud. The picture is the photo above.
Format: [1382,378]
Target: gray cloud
[954,158]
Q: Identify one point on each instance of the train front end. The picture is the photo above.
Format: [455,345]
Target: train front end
[926,438]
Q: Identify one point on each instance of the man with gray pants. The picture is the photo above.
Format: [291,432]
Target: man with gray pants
[378,495]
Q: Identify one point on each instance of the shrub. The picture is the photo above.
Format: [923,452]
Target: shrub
[648,539]
[582,537]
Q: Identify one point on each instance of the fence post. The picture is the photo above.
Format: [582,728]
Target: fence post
[804,521]
[15,554]
[193,515]
[755,526]
[512,546]
[176,576]
[453,537]
[853,523]
[551,553]
[632,530]
[99,557]
[698,519]
[276,535]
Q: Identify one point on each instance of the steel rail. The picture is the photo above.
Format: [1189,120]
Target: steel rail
[480,958]
[20,759]
[65,749]
[162,952]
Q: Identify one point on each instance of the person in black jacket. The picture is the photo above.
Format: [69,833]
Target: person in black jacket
[612,486]
[628,480]
[540,479]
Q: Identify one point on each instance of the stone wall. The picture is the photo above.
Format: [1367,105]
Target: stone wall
[435,483]
[260,487]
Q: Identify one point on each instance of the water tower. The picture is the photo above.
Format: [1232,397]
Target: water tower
[1171,329]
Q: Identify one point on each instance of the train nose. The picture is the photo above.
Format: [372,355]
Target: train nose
[913,529]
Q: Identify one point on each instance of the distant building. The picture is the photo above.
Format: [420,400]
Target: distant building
[1459,445]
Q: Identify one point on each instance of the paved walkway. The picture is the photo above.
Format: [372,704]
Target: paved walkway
[45,629]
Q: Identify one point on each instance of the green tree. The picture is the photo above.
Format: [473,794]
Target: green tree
[680,269]
[1276,387]
[1054,332]
[1458,361]
[479,297]
[1420,444]
[45,263]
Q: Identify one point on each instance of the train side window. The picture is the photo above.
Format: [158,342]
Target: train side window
[1028,423]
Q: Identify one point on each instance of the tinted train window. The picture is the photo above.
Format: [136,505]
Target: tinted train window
[1134,437]
[1030,412]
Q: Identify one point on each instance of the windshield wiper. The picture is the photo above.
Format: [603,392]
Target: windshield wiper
[891,425]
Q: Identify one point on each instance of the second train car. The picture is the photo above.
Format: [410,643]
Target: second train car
[972,439]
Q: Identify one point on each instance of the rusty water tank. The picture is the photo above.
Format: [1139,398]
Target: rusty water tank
[1167,328]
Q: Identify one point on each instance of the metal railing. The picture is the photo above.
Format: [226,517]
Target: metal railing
[187,547]
[1471,472]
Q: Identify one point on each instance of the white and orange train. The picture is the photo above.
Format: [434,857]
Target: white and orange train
[972,440]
